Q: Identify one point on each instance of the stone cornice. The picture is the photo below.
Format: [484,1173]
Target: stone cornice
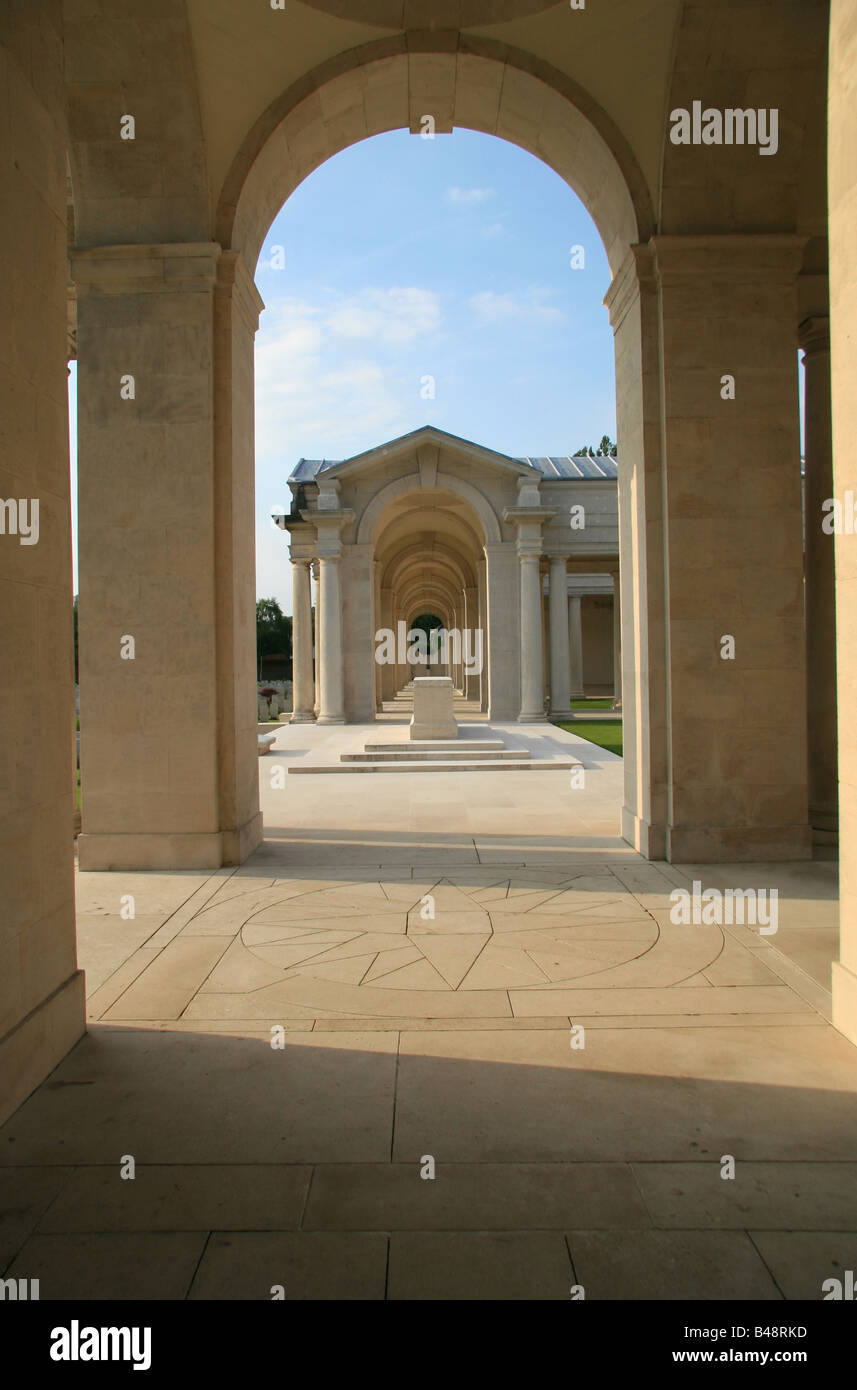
[518,515]
[764,257]
[636,272]
[234,279]
[140,269]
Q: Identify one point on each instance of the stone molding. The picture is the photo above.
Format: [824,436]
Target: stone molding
[235,281]
[766,257]
[166,267]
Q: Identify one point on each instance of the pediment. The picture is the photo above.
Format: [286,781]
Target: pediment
[428,445]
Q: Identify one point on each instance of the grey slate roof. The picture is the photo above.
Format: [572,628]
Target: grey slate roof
[566,466]
[575,466]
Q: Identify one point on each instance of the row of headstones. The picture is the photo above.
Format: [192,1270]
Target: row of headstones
[275,706]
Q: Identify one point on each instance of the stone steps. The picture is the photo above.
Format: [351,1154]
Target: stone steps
[411,766]
[415,754]
[436,745]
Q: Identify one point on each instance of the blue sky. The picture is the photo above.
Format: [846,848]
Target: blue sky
[405,258]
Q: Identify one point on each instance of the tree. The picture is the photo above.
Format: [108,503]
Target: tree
[273,632]
[606,449]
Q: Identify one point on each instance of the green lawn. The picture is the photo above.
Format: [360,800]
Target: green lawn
[607,734]
[606,703]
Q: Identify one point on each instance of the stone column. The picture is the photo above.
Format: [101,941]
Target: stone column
[166,543]
[471,624]
[633,302]
[532,689]
[357,633]
[332,693]
[484,689]
[42,1013]
[575,647]
[388,671]
[820,584]
[733,545]
[317,639]
[842,186]
[560,673]
[617,642]
[302,681]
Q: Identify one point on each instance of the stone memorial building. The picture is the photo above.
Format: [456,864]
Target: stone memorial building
[505,548]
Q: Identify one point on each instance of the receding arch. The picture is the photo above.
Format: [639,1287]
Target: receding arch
[400,487]
[477,84]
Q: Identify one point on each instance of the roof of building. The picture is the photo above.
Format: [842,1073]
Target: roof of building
[566,466]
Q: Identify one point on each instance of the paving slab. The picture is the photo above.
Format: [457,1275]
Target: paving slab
[479,1196]
[676,1265]
[309,1265]
[435,1265]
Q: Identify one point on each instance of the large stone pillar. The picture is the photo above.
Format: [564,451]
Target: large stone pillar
[733,543]
[635,315]
[387,620]
[302,680]
[471,625]
[842,184]
[575,647]
[317,639]
[617,642]
[560,673]
[532,687]
[484,690]
[357,633]
[332,688]
[504,638]
[167,612]
[41,989]
[820,584]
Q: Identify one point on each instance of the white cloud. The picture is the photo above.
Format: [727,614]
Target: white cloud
[387,317]
[311,386]
[531,307]
[468,197]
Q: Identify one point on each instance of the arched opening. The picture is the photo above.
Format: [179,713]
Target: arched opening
[428,549]
[490,89]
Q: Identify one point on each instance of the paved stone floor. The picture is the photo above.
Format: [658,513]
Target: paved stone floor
[422,948]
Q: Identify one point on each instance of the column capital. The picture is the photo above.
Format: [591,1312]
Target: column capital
[636,272]
[235,281]
[766,257]
[136,269]
[814,334]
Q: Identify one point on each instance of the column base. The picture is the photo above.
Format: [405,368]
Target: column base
[647,839]
[31,1050]
[533,718]
[330,719]
[844,985]
[729,844]
[169,851]
[302,717]
[556,714]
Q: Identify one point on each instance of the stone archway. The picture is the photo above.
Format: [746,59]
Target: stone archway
[489,87]
[428,552]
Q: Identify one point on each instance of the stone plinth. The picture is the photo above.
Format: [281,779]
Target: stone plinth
[433,708]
